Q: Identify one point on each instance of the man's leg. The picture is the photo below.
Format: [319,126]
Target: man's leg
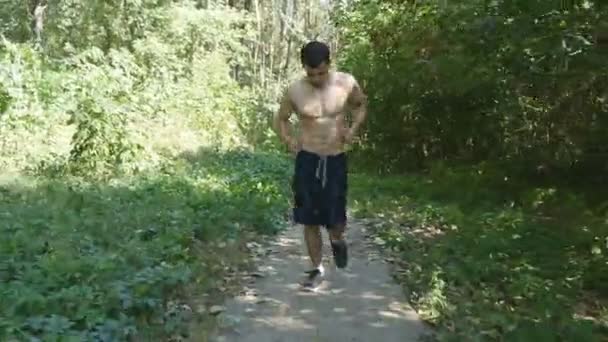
[336,197]
[338,244]
[305,213]
[314,244]
[336,232]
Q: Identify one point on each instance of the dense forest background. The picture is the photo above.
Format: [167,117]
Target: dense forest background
[136,157]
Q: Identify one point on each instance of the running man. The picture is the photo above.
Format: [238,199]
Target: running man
[320,100]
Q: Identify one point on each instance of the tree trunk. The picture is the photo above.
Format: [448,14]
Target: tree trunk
[37,9]
[256,44]
[290,11]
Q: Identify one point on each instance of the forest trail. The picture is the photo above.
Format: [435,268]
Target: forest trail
[361,303]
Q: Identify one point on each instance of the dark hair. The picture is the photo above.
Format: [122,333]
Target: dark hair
[314,54]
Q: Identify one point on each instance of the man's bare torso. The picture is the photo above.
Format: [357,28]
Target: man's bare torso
[322,113]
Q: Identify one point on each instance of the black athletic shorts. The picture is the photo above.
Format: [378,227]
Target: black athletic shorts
[320,187]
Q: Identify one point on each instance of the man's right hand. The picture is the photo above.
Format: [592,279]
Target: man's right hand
[293,146]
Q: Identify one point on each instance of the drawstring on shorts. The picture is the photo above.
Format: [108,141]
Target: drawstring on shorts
[322,167]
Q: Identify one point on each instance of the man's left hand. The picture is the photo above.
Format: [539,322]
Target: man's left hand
[349,137]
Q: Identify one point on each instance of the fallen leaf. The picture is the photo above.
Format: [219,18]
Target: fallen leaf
[252,245]
[229,321]
[261,301]
[216,309]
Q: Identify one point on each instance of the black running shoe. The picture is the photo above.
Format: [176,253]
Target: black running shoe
[313,279]
[340,252]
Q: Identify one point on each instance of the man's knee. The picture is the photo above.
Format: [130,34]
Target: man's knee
[336,231]
[312,229]
[340,227]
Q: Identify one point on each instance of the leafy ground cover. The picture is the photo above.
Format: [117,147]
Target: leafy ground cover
[486,258]
[114,260]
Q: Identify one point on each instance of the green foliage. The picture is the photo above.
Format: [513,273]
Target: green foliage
[502,104]
[5,100]
[100,108]
[14,20]
[101,261]
[520,81]
[118,119]
[21,80]
[103,93]
[492,262]
[73,25]
[27,94]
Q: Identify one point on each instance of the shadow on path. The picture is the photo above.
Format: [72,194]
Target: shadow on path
[361,303]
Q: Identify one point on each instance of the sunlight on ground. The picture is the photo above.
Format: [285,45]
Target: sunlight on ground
[359,303]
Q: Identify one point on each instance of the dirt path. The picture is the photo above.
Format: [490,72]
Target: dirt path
[361,303]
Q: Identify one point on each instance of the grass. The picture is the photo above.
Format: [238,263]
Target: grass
[484,257]
[487,258]
[113,260]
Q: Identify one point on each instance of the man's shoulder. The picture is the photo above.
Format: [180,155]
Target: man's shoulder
[344,74]
[345,78]
[295,86]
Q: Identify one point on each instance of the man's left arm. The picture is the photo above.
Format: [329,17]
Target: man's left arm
[357,102]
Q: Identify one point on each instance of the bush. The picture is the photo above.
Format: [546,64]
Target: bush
[103,261]
[117,107]
[515,81]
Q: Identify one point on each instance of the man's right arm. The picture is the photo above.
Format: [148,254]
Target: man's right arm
[281,120]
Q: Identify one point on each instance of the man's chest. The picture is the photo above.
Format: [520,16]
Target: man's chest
[315,103]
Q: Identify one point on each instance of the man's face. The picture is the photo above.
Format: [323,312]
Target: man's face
[317,76]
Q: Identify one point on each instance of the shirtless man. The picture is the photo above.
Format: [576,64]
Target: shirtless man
[321,100]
